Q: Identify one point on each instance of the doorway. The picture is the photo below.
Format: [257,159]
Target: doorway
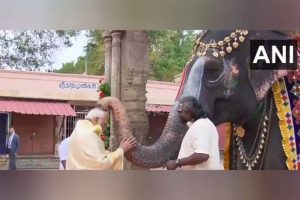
[36,133]
[3,131]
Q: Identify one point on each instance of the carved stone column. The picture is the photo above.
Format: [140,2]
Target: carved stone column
[135,69]
[108,52]
[129,73]
[115,78]
[116,63]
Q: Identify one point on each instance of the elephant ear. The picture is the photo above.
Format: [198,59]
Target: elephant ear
[262,80]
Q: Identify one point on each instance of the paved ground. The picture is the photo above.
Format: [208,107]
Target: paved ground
[32,162]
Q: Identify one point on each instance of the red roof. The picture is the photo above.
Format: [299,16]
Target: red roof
[37,107]
[158,108]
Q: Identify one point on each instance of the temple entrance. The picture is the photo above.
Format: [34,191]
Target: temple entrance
[36,133]
[3,131]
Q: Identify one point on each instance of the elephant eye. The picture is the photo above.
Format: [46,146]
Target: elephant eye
[213,71]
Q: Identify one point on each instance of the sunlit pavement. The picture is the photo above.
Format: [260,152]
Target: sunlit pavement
[32,162]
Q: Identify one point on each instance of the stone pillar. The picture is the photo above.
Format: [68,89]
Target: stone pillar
[135,69]
[107,74]
[116,63]
[115,80]
[129,73]
[108,52]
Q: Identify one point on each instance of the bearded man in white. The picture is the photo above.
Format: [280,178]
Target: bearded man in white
[200,146]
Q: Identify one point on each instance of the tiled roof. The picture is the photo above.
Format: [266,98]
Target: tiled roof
[37,107]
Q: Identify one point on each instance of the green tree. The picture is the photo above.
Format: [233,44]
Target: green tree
[73,67]
[94,55]
[169,51]
[31,49]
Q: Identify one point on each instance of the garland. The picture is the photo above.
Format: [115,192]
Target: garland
[104,91]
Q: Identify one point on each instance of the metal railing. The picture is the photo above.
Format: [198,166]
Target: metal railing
[81,112]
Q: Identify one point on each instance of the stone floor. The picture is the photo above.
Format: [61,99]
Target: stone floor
[32,162]
[49,162]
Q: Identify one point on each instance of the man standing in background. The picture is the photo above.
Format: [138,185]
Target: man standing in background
[63,153]
[12,148]
[63,150]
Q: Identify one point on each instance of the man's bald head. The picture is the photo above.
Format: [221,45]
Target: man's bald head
[96,113]
[98,116]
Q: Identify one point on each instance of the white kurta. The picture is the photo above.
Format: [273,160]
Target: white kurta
[202,137]
[87,150]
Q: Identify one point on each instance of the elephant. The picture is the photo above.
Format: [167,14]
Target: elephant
[229,91]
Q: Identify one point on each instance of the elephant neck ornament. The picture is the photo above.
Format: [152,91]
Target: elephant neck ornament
[257,152]
[219,48]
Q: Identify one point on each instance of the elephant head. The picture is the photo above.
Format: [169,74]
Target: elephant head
[225,86]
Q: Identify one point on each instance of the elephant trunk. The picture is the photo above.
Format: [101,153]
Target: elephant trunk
[153,156]
[168,145]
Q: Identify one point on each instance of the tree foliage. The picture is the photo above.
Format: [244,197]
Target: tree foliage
[31,49]
[169,51]
[94,57]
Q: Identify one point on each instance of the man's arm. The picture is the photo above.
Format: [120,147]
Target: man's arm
[200,144]
[193,159]
[113,159]
[18,145]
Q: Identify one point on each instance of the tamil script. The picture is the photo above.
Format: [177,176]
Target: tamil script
[74,85]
